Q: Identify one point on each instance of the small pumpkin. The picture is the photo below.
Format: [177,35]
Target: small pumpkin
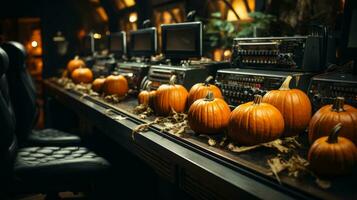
[146,97]
[200,90]
[294,105]
[82,75]
[170,97]
[255,122]
[97,85]
[327,116]
[209,115]
[116,84]
[75,63]
[332,155]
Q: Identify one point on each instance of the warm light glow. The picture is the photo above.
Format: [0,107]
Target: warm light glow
[121,4]
[241,9]
[97,36]
[34,44]
[103,15]
[167,17]
[133,17]
[227,54]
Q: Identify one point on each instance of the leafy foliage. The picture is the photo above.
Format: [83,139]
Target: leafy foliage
[219,33]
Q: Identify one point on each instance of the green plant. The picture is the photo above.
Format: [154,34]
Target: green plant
[261,22]
[219,33]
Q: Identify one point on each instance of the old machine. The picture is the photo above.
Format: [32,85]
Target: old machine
[262,64]
[143,45]
[182,50]
[99,51]
[342,81]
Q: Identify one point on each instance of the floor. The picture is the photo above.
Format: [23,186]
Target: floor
[63,195]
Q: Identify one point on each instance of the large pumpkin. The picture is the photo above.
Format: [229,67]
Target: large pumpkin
[75,63]
[116,85]
[82,75]
[170,97]
[294,105]
[146,97]
[200,90]
[332,155]
[255,122]
[209,115]
[326,117]
[97,84]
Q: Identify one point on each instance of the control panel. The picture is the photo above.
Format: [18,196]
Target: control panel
[103,66]
[240,85]
[278,53]
[186,76]
[134,72]
[325,87]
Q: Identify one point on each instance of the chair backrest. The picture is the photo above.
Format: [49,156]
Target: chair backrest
[8,144]
[22,90]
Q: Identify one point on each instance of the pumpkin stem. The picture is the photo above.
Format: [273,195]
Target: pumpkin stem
[76,57]
[209,96]
[286,83]
[148,86]
[173,80]
[208,80]
[332,138]
[338,103]
[257,99]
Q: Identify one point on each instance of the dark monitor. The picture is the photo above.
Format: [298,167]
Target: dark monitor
[117,43]
[88,45]
[100,42]
[143,42]
[349,32]
[182,41]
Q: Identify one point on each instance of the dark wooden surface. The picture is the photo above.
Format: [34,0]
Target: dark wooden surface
[203,172]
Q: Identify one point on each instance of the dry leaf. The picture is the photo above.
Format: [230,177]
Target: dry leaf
[324,184]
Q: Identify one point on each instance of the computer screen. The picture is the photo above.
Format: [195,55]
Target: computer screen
[348,44]
[352,36]
[182,41]
[88,45]
[143,42]
[117,43]
[101,43]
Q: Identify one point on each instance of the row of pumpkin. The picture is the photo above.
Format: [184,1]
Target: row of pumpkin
[280,113]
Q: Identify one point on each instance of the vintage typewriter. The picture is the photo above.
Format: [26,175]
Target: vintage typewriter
[240,85]
[182,49]
[143,45]
[305,53]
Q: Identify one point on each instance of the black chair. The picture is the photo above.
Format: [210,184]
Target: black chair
[41,169]
[23,97]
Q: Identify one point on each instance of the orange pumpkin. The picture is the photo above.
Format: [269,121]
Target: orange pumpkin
[146,96]
[75,64]
[82,75]
[255,122]
[200,90]
[116,84]
[170,97]
[209,115]
[326,117]
[332,155]
[97,84]
[293,104]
